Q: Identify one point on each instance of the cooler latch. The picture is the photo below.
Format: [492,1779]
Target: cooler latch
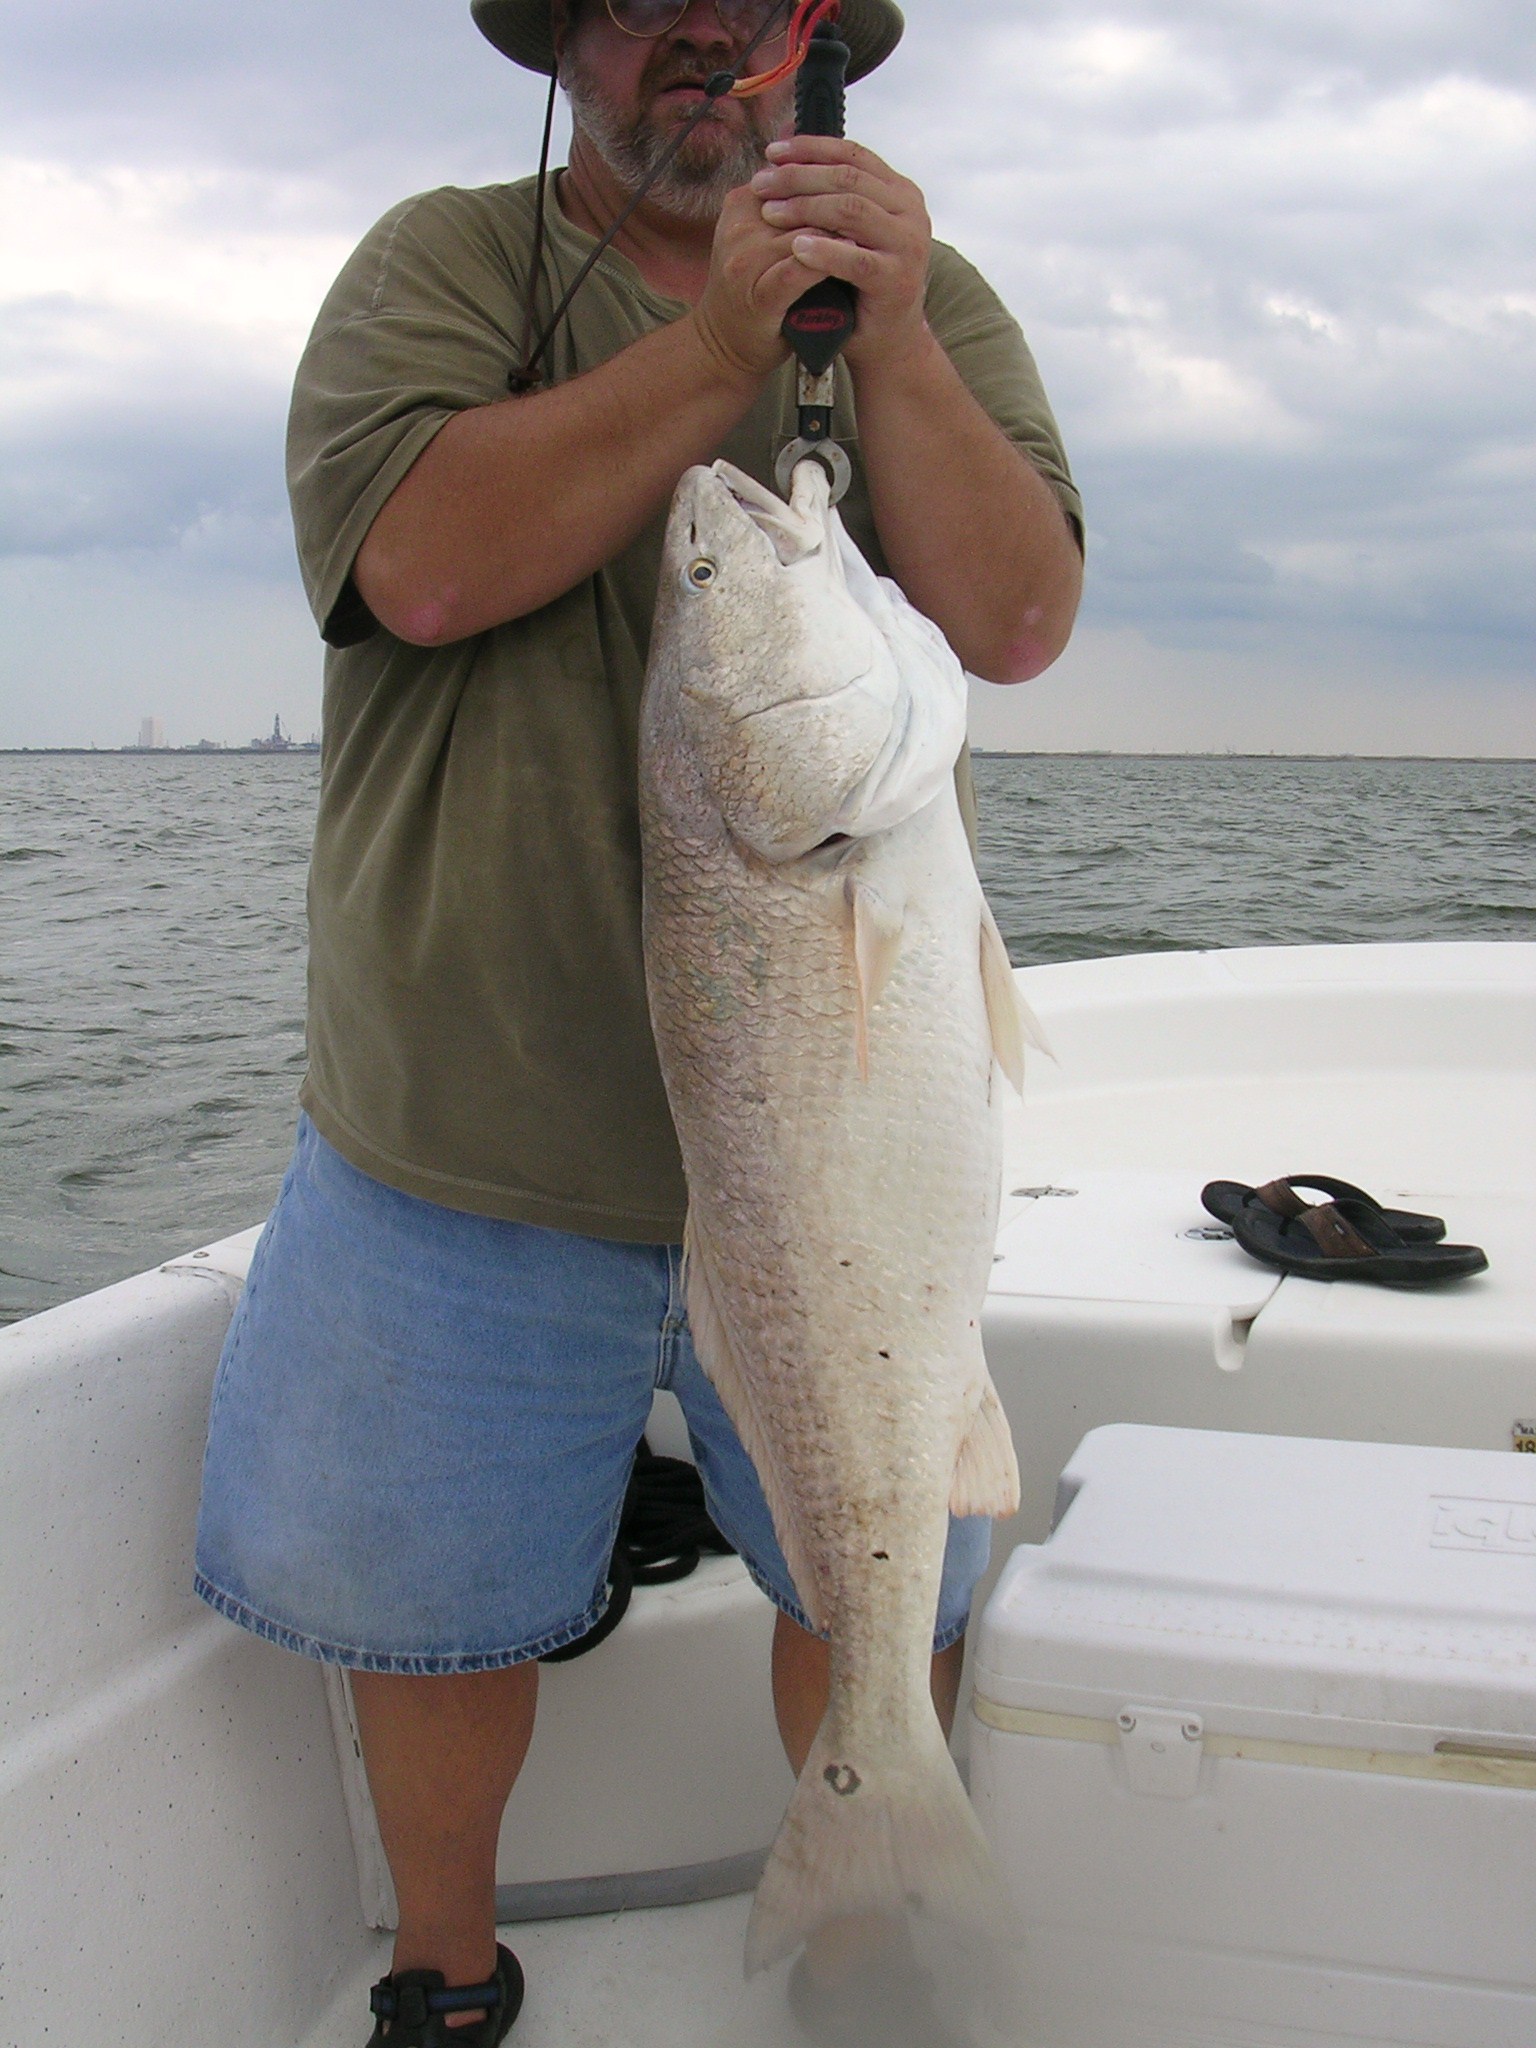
[1161,1751]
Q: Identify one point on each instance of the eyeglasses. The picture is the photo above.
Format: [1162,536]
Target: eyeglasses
[647,19]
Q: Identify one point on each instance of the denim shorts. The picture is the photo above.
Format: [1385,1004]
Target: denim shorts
[423,1424]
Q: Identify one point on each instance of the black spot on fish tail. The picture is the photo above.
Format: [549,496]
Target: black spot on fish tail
[883,1555]
[843,1779]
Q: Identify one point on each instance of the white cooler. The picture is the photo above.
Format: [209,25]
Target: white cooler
[1254,1739]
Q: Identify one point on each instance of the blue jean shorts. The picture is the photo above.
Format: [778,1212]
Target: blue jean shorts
[423,1424]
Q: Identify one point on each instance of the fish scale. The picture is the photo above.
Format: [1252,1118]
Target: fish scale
[828,990]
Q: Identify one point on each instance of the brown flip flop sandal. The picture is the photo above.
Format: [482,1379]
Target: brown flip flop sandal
[1223,1199]
[1348,1240]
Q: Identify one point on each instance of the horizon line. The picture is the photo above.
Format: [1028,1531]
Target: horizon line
[311,748]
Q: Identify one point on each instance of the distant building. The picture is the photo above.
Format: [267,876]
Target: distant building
[151,733]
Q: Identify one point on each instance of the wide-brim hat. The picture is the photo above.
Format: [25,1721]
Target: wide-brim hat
[520,30]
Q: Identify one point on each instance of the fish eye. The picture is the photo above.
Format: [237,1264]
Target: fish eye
[701,573]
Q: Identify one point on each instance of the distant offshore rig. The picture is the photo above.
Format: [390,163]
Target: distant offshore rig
[152,740]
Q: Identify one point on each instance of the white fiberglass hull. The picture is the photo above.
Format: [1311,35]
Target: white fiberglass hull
[177,1849]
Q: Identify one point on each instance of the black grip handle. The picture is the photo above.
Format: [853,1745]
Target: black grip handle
[821,320]
[819,83]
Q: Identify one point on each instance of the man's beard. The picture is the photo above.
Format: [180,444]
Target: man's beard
[695,183]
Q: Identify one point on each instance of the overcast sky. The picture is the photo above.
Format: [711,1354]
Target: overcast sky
[1275,258]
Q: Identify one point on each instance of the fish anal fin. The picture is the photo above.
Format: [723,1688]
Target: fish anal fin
[717,1353]
[1013,1024]
[877,928]
[986,1478]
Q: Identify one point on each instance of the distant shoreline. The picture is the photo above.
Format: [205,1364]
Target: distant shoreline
[1106,754]
[977,753]
[177,753]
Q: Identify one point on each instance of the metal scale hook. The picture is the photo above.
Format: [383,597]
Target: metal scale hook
[821,319]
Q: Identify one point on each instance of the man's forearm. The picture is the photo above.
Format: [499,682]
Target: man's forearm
[972,532]
[511,504]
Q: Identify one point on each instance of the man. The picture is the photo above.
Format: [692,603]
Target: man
[468,1289]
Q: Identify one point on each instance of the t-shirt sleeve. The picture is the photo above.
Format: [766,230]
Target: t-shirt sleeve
[415,329]
[984,342]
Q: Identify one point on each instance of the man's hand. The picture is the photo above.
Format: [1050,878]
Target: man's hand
[754,279]
[846,214]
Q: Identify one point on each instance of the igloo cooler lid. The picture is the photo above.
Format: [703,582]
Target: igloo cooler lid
[1296,1588]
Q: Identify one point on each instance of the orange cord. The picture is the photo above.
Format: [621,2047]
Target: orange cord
[804,19]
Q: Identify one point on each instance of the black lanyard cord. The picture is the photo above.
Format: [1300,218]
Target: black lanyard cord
[522,378]
[527,374]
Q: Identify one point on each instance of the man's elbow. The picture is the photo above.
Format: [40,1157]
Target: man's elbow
[412,607]
[1019,662]
[424,622]
[1034,637]
[1039,637]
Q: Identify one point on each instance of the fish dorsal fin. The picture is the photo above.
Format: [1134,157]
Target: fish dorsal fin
[1013,1023]
[716,1351]
[878,920]
[986,1478]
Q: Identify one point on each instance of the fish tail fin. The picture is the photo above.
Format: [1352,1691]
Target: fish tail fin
[865,1836]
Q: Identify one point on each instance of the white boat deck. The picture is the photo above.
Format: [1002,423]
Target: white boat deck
[176,1847]
[665,1978]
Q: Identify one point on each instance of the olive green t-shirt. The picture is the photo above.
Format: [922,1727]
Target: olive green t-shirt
[478,1031]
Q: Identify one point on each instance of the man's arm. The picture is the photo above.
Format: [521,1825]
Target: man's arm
[511,504]
[973,533]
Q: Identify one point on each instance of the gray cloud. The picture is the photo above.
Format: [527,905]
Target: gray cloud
[155,449]
[1277,267]
[356,95]
[1274,257]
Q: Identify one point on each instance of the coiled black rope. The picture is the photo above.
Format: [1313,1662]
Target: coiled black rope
[664,1528]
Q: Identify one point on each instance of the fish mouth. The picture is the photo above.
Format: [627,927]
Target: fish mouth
[796,530]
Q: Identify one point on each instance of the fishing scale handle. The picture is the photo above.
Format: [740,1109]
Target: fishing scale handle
[821,320]
[820,82]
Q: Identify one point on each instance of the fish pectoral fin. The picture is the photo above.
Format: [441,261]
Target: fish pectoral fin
[1013,1023]
[986,1478]
[717,1353]
[878,921]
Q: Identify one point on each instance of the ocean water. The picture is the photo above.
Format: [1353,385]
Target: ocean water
[152,944]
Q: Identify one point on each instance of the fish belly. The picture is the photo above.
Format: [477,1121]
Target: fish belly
[840,1229]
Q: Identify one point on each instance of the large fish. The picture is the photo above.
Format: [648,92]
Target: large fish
[831,999]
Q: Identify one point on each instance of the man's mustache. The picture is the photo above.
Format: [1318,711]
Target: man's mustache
[668,76]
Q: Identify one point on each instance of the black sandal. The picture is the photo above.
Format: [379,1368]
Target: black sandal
[1349,1241]
[413,2006]
[1223,1199]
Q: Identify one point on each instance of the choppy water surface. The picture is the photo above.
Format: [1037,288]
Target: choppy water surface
[152,959]
[151,1007]
[1133,854]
